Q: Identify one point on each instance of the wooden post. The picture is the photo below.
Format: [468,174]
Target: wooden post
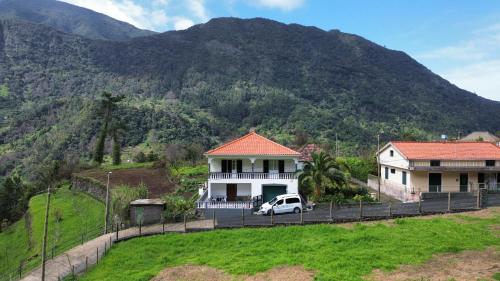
[163,226]
[185,223]
[117,230]
[45,229]
[478,203]
[390,208]
[97,256]
[331,210]
[301,215]
[420,204]
[213,218]
[86,263]
[20,270]
[82,238]
[272,215]
[140,228]
[243,217]
[110,241]
[105,247]
[360,210]
[449,202]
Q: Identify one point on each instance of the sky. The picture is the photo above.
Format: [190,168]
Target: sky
[457,39]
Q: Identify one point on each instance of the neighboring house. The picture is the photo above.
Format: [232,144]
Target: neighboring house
[306,152]
[247,169]
[482,136]
[410,168]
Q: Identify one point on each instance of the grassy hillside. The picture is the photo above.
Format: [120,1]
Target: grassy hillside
[333,252]
[78,214]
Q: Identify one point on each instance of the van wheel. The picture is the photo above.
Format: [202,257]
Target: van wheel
[296,210]
[268,212]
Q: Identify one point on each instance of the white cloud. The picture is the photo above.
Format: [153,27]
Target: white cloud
[285,5]
[124,10]
[197,7]
[482,78]
[181,23]
[472,64]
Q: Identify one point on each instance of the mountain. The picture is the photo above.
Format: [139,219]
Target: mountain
[70,19]
[214,81]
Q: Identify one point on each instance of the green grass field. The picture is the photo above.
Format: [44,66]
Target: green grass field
[333,252]
[79,214]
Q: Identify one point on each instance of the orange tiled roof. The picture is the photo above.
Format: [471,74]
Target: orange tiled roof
[253,144]
[448,150]
[307,150]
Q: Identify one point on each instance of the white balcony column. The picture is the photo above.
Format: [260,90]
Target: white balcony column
[209,162]
[296,160]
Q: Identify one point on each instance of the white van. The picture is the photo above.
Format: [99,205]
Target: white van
[286,203]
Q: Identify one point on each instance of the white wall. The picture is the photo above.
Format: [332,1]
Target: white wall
[215,165]
[397,160]
[218,187]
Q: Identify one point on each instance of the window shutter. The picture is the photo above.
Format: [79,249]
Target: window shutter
[224,166]
[266,166]
[239,166]
[281,166]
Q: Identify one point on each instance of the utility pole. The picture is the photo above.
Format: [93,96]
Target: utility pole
[45,230]
[378,166]
[107,206]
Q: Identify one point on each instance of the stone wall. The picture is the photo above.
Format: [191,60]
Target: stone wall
[90,186]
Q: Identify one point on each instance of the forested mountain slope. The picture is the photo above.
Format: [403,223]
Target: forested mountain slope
[216,80]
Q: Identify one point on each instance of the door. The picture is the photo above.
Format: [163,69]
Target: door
[434,182]
[279,207]
[464,181]
[281,166]
[271,191]
[231,192]
[480,180]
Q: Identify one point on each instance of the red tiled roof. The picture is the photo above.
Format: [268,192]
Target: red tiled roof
[448,150]
[307,150]
[253,144]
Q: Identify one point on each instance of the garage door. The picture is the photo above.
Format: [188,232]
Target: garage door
[271,191]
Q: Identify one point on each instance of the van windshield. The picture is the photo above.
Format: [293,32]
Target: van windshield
[273,201]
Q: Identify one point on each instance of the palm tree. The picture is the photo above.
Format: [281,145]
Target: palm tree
[321,172]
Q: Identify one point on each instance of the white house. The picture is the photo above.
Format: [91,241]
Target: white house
[411,168]
[247,169]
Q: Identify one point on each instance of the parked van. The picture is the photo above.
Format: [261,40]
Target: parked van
[285,203]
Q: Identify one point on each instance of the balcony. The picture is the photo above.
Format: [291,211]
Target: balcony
[223,176]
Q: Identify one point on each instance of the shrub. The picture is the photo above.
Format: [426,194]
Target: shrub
[178,205]
[152,156]
[121,197]
[140,157]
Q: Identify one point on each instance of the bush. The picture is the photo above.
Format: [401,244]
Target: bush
[152,156]
[140,157]
[178,205]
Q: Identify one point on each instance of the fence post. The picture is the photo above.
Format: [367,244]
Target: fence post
[213,218]
[73,272]
[105,247]
[360,210]
[420,204]
[478,203]
[140,228]
[243,217]
[185,223]
[110,241]
[86,263]
[301,215]
[449,202]
[163,225]
[97,256]
[390,208]
[20,270]
[331,210]
[117,230]
[52,252]
[272,215]
[82,238]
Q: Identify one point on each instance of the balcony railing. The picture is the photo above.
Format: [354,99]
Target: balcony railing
[220,176]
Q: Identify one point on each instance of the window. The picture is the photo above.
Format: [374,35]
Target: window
[386,173]
[292,200]
[435,163]
[490,163]
[403,180]
[280,202]
[391,152]
[393,171]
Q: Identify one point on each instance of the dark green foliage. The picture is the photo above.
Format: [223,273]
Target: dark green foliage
[99,148]
[116,149]
[13,198]
[152,156]
[140,157]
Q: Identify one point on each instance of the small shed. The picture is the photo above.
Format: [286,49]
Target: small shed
[149,211]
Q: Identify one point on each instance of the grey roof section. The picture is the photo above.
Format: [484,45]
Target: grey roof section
[142,202]
[485,136]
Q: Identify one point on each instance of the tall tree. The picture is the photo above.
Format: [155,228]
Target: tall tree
[108,106]
[323,171]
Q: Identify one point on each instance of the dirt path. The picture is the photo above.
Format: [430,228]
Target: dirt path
[465,266]
[206,273]
[77,259]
